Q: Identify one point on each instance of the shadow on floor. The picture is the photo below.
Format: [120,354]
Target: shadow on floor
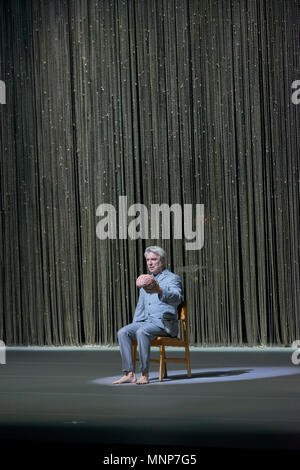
[204,375]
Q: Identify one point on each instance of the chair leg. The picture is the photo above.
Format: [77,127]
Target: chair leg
[134,347]
[188,361]
[165,365]
[161,362]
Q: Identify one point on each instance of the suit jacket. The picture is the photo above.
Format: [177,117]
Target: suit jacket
[161,309]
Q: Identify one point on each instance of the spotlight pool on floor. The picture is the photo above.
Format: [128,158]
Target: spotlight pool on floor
[220,374]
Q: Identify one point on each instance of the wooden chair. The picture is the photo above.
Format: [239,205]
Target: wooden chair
[163,341]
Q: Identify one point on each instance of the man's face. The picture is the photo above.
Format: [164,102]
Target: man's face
[154,263]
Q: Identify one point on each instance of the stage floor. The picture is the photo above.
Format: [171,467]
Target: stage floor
[242,400]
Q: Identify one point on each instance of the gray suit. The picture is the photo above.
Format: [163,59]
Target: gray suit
[155,315]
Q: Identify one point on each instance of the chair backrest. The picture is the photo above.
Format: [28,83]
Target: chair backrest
[182,315]
[182,311]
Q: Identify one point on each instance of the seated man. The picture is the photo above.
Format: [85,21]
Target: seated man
[155,315]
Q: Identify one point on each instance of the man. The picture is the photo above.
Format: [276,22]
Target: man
[155,315]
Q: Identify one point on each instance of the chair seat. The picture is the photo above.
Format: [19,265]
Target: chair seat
[167,341]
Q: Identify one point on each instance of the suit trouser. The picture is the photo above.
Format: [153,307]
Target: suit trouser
[143,332]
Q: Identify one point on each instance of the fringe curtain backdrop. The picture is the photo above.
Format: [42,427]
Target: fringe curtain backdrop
[162,101]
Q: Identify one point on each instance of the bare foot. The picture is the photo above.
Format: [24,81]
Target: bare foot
[144,379]
[128,378]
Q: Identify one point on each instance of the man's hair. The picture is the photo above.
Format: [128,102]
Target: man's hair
[156,249]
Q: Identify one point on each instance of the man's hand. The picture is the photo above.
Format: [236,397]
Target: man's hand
[153,288]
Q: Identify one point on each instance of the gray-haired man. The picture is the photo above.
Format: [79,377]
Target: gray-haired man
[155,315]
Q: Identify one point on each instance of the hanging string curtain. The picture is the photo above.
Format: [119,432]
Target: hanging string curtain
[165,102]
